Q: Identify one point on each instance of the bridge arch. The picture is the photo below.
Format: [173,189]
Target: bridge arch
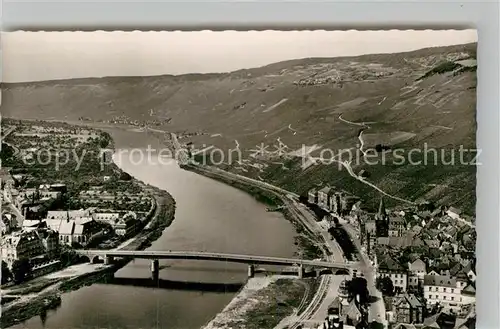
[325,271]
[96,259]
[85,259]
[342,271]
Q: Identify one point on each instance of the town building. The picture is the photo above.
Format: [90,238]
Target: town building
[454,212]
[126,226]
[464,271]
[468,294]
[32,225]
[443,290]
[21,245]
[408,309]
[50,241]
[324,196]
[336,202]
[312,196]
[37,194]
[396,226]
[417,270]
[78,230]
[68,214]
[6,224]
[59,187]
[389,268]
[345,204]
[343,292]
[6,180]
[108,218]
[348,312]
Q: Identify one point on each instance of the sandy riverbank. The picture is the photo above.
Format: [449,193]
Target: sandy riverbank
[263,302]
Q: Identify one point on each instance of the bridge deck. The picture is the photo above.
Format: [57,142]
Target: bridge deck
[196,255]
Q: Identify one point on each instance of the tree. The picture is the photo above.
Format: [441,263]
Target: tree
[6,275]
[21,269]
[125,176]
[375,325]
[358,287]
[385,285]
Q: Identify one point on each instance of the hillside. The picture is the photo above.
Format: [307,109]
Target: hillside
[407,100]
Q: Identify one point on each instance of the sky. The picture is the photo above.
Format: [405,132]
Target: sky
[34,56]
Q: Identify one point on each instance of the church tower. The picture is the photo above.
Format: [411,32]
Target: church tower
[382,213]
[382,220]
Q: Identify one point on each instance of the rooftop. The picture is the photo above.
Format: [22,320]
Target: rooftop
[440,280]
[389,264]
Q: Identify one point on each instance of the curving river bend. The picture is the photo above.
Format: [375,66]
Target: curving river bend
[210,216]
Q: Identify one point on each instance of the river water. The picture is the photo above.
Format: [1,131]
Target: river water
[210,216]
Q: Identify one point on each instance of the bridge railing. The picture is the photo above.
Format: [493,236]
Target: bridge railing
[207,255]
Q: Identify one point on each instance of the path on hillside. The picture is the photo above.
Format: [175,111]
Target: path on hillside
[348,167]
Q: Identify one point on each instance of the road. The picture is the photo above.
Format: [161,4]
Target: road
[376,311]
[334,280]
[318,307]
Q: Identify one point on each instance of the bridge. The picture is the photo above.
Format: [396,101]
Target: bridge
[5,133]
[251,260]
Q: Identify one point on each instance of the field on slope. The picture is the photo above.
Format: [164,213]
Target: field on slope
[407,100]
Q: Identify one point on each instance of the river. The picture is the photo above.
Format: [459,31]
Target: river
[210,216]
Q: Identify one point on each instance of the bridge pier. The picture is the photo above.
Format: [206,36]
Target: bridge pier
[155,268]
[251,271]
[108,260]
[301,271]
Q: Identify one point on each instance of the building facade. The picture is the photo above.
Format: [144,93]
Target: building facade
[21,245]
[324,197]
[409,309]
[443,290]
[312,196]
[388,268]
[417,270]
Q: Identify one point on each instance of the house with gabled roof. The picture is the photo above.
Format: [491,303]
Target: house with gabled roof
[469,294]
[441,320]
[312,196]
[442,290]
[396,226]
[324,197]
[417,270]
[20,245]
[408,309]
[351,314]
[454,212]
[388,267]
[78,230]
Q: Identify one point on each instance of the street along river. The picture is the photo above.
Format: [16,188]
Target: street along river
[210,216]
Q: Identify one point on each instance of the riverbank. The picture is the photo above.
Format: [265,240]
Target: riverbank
[307,241]
[265,302]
